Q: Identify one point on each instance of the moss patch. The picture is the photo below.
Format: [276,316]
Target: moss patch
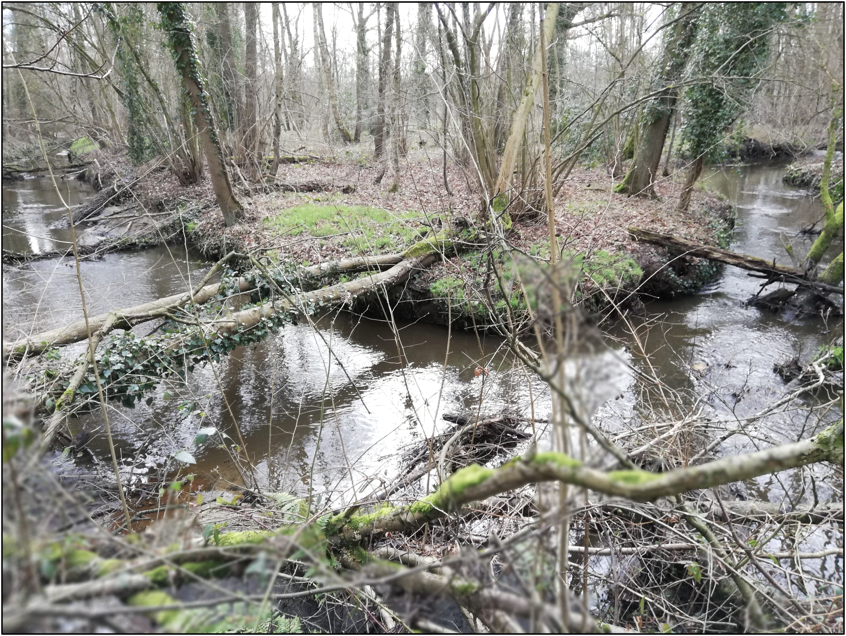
[365,229]
[160,575]
[82,146]
[245,537]
[438,243]
[633,477]
[462,480]
[559,459]
[155,598]
[207,569]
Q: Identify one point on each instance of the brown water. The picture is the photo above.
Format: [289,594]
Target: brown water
[30,206]
[340,422]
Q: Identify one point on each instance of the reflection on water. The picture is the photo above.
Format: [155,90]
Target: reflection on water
[719,353]
[45,294]
[350,413]
[31,206]
[338,405]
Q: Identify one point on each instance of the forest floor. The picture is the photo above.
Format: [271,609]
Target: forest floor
[332,207]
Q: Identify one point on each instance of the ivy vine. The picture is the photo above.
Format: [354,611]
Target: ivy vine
[730,52]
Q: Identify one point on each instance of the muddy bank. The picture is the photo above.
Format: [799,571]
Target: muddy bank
[749,149]
[807,173]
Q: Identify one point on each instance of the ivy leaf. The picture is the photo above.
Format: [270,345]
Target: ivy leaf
[185,457]
[695,571]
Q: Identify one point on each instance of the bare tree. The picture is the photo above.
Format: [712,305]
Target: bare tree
[362,69]
[178,29]
[277,93]
[326,68]
[384,69]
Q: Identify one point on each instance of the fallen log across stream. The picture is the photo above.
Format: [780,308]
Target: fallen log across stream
[131,316]
[773,271]
[204,340]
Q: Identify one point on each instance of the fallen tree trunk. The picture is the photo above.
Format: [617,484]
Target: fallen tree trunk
[475,483]
[11,257]
[347,265]
[126,319]
[341,293]
[120,319]
[204,341]
[314,186]
[129,317]
[107,196]
[774,271]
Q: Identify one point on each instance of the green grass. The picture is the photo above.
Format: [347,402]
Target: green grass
[610,270]
[835,362]
[366,229]
[82,146]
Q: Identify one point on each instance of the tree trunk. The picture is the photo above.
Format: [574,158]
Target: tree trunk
[833,225]
[504,186]
[361,71]
[469,95]
[326,64]
[277,120]
[659,112]
[424,19]
[124,319]
[396,117]
[751,263]
[692,175]
[384,66]
[129,317]
[177,26]
[231,92]
[508,62]
[250,88]
[833,274]
[669,156]
[295,69]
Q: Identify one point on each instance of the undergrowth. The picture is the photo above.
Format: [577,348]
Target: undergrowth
[360,228]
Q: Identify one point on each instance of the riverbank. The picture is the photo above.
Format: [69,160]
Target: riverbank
[806,172]
[321,210]
[326,209]
[713,353]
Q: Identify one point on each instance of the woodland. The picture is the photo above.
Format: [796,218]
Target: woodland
[264,216]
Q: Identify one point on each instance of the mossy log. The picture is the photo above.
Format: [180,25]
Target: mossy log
[476,483]
[131,316]
[345,533]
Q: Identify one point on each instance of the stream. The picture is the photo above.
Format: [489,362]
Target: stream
[339,423]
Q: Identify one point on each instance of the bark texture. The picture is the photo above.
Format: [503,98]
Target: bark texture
[660,112]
